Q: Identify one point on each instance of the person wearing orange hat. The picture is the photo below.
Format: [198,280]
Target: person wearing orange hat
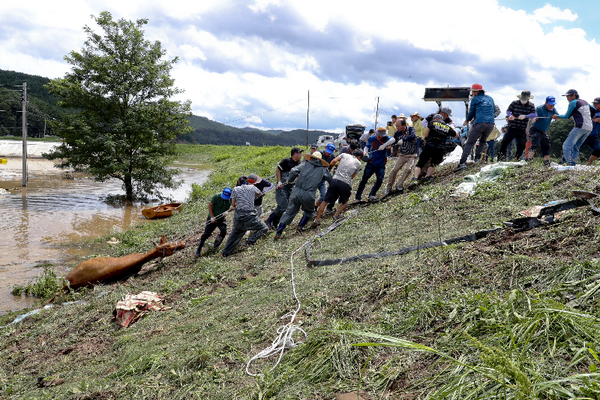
[482,111]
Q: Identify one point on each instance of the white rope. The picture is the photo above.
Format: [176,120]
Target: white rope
[285,333]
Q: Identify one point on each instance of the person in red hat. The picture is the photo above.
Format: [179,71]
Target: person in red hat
[482,111]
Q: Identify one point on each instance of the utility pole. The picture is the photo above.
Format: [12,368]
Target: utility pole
[376,114]
[307,117]
[24,134]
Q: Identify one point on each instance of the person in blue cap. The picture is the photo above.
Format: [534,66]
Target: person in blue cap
[218,208]
[538,131]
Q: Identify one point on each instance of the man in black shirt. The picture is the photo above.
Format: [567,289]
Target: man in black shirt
[284,189]
[436,135]
[264,186]
[518,113]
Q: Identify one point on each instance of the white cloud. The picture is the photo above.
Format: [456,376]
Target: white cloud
[549,13]
[346,54]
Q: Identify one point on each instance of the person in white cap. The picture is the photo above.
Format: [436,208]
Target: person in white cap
[482,111]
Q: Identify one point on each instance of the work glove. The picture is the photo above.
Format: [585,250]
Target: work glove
[279,185]
[400,141]
[213,220]
[225,213]
[522,116]
[511,117]
[465,123]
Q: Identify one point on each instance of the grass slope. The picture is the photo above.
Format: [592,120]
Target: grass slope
[512,316]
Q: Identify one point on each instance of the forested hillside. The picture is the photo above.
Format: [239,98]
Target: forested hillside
[211,132]
[41,104]
[42,107]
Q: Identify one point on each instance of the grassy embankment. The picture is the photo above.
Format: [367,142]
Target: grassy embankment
[515,315]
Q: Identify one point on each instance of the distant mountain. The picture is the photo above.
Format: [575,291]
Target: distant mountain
[42,106]
[211,132]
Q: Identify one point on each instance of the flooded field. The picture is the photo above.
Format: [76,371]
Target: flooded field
[52,210]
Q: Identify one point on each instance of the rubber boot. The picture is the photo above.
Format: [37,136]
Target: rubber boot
[280,229]
[218,241]
[199,249]
[270,221]
[302,223]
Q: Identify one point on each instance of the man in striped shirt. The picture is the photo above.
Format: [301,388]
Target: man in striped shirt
[245,218]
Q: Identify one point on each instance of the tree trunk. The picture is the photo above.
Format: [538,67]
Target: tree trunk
[128,188]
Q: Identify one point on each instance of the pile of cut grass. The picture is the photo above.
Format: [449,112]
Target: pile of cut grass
[514,315]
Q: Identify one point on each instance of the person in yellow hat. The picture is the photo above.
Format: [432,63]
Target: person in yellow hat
[308,176]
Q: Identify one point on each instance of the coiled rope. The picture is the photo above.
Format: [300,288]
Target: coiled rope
[284,339]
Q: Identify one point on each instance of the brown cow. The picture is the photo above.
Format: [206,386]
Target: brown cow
[101,269]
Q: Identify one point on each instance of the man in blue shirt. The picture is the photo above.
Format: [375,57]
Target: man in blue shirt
[376,148]
[482,112]
[545,114]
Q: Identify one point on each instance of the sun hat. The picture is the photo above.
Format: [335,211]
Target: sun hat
[525,94]
[318,156]
[416,114]
[401,116]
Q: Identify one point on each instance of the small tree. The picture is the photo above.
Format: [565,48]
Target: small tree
[127,122]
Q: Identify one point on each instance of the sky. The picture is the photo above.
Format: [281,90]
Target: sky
[277,64]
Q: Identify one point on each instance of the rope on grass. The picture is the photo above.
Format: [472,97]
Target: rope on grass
[285,333]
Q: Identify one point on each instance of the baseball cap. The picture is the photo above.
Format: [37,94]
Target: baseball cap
[253,178]
[296,150]
[551,100]
[571,92]
[314,146]
[226,195]
[446,110]
[330,148]
[597,100]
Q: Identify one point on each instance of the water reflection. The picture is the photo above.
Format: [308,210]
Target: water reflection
[52,210]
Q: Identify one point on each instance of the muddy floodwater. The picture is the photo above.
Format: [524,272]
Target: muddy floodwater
[56,208]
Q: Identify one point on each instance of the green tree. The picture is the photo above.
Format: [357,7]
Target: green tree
[127,120]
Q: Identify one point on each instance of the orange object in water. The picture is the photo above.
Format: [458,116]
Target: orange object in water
[162,211]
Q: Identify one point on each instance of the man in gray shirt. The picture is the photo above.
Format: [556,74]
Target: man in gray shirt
[245,218]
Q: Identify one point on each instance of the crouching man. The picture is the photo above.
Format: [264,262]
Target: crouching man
[310,175]
[435,135]
[218,208]
[245,218]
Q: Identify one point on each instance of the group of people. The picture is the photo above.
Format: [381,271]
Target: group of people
[422,145]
